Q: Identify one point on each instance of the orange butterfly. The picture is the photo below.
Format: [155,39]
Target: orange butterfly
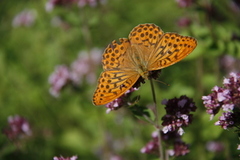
[146,49]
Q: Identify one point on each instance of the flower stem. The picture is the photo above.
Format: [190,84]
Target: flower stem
[157,122]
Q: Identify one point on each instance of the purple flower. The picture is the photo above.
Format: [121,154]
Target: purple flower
[184,3]
[26,18]
[62,158]
[58,79]
[180,149]
[173,141]
[226,98]
[80,3]
[177,114]
[85,66]
[52,3]
[91,3]
[213,146]
[119,102]
[184,22]
[226,120]
[81,69]
[152,146]
[18,127]
[115,157]
[229,63]
[173,138]
[235,6]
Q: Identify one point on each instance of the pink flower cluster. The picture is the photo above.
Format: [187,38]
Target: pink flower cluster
[214,146]
[227,99]
[184,3]
[67,158]
[58,79]
[172,139]
[152,146]
[18,127]
[80,3]
[177,114]
[81,69]
[26,18]
[119,102]
[184,22]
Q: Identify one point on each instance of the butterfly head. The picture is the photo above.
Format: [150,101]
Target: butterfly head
[146,75]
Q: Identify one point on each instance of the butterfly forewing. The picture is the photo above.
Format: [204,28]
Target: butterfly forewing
[114,53]
[171,49]
[145,37]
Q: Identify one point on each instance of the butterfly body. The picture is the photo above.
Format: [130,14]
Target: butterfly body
[147,49]
[138,63]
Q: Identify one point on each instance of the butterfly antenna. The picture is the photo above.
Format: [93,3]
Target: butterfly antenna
[163,83]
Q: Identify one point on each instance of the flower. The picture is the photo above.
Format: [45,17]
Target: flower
[58,79]
[91,3]
[227,99]
[238,147]
[26,18]
[184,22]
[80,3]
[119,102]
[18,127]
[152,146]
[229,63]
[62,158]
[81,69]
[115,157]
[172,139]
[184,3]
[52,3]
[177,114]
[214,146]
[226,120]
[85,66]
[180,149]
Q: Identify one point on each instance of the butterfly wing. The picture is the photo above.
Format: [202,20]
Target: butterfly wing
[112,84]
[158,50]
[171,49]
[113,57]
[145,37]
[118,75]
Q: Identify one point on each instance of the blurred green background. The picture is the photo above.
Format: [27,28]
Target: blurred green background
[70,124]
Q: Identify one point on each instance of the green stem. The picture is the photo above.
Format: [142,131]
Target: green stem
[157,121]
[148,119]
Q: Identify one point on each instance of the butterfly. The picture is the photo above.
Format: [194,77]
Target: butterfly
[146,49]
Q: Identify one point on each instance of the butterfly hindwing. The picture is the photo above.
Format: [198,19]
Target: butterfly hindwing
[112,84]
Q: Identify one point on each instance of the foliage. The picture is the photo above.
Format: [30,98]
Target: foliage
[32,46]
